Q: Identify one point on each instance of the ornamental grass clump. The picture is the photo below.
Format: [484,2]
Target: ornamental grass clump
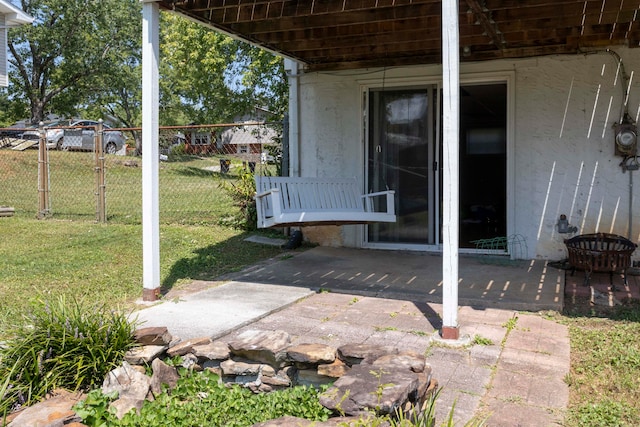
[242,191]
[60,343]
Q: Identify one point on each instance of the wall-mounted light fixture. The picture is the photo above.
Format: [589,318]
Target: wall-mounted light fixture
[626,137]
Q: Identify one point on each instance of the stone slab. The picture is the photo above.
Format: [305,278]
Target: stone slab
[217,311]
[266,240]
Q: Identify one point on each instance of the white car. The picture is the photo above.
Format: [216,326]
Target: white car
[52,134]
[79,139]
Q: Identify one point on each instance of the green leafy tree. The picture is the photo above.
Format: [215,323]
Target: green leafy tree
[212,78]
[265,77]
[60,62]
[119,95]
[84,57]
[119,92]
[10,110]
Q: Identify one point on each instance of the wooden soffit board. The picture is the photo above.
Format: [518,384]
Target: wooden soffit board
[345,34]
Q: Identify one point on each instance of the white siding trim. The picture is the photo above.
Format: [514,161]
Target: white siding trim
[4,65]
[13,15]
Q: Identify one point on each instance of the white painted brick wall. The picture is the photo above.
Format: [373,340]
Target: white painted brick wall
[563,163]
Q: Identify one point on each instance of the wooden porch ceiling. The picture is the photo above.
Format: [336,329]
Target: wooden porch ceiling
[345,34]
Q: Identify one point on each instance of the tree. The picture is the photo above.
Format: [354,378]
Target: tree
[265,77]
[85,56]
[212,78]
[10,110]
[60,62]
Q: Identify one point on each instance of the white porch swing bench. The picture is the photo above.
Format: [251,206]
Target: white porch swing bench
[296,201]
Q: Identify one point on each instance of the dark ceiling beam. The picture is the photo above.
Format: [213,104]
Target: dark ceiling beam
[435,58]
[483,16]
[347,34]
[259,9]
[361,33]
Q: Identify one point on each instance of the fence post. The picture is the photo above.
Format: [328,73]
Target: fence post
[101,206]
[43,173]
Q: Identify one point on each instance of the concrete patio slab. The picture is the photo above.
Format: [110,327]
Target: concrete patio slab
[483,281]
[216,311]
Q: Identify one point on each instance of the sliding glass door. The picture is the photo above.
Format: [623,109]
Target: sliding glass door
[404,154]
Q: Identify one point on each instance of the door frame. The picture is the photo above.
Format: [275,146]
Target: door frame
[506,77]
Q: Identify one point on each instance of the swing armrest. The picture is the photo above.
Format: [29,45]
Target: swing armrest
[389,194]
[268,205]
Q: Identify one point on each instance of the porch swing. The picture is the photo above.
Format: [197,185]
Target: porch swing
[285,201]
[299,201]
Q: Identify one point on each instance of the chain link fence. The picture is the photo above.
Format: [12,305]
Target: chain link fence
[67,178]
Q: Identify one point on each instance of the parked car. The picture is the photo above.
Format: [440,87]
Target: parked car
[81,138]
[54,134]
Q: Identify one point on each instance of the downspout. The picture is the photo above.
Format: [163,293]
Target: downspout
[630,236]
[292,70]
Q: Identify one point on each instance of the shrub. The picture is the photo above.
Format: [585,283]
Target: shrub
[178,150]
[242,192]
[60,344]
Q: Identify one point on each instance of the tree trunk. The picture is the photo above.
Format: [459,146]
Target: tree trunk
[37,111]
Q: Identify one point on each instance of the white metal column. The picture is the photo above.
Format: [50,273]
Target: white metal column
[450,196]
[150,152]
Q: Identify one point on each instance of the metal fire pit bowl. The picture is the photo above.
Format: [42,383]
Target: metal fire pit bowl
[600,252]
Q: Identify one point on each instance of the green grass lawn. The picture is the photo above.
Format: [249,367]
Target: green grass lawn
[604,381]
[70,253]
[190,190]
[104,262]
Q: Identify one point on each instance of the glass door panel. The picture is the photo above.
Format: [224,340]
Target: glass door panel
[483,162]
[400,137]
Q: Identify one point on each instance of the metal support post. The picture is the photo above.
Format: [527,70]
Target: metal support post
[43,174]
[101,202]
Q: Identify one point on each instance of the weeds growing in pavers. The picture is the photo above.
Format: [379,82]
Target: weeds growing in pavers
[60,343]
[384,328]
[480,340]
[510,325]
